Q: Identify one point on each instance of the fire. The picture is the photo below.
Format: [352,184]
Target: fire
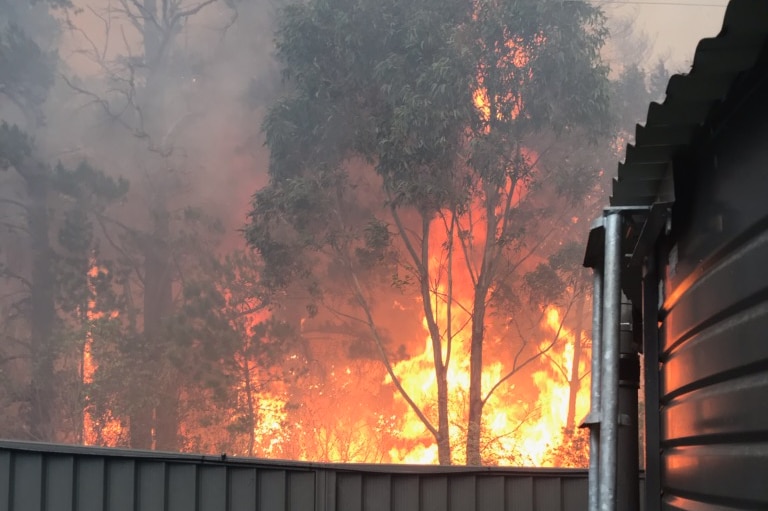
[268,431]
[482,103]
[523,419]
[554,392]
[111,430]
[346,415]
[516,433]
[506,106]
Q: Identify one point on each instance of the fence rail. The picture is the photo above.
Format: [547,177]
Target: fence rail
[46,477]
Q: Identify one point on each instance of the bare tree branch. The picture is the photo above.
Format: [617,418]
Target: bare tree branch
[10,274]
[180,15]
[11,358]
[105,106]
[359,296]
[516,368]
[467,248]
[407,240]
[14,202]
[134,265]
[11,227]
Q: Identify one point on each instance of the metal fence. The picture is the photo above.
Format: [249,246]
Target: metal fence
[42,477]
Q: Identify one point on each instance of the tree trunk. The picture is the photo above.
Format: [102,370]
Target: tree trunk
[42,312]
[443,426]
[158,411]
[163,418]
[441,372]
[140,427]
[157,306]
[482,287]
[475,419]
[167,421]
[575,383]
[251,408]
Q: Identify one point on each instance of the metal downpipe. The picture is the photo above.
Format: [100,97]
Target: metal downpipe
[628,456]
[594,431]
[609,377]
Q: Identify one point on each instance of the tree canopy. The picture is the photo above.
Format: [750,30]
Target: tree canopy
[443,101]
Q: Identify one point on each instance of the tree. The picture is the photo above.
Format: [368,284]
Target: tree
[231,351]
[546,43]
[143,89]
[563,278]
[46,208]
[444,101]
[27,92]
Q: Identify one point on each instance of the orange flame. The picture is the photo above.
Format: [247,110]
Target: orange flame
[506,106]
[339,418]
[523,419]
[553,383]
[111,430]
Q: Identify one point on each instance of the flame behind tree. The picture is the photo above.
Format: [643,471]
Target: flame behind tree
[402,95]
[539,65]
[141,86]
[46,214]
[235,361]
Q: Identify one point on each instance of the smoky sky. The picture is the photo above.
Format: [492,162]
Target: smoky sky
[673,28]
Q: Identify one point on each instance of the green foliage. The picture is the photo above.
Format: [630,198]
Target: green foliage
[567,259]
[15,146]
[392,86]
[377,244]
[379,80]
[544,285]
[26,73]
[633,89]
[543,57]
[561,274]
[393,83]
[87,184]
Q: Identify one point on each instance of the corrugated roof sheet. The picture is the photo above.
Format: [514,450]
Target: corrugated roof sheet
[693,100]
[41,477]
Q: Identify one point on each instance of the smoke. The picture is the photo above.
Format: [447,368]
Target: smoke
[216,78]
[185,130]
[665,31]
[171,102]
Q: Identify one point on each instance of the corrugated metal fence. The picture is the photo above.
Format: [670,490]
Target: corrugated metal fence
[40,477]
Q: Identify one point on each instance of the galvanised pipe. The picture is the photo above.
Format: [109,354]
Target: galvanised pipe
[609,378]
[628,456]
[594,431]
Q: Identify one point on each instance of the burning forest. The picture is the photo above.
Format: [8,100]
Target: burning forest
[336,230]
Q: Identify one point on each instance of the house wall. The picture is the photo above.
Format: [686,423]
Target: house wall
[714,322]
